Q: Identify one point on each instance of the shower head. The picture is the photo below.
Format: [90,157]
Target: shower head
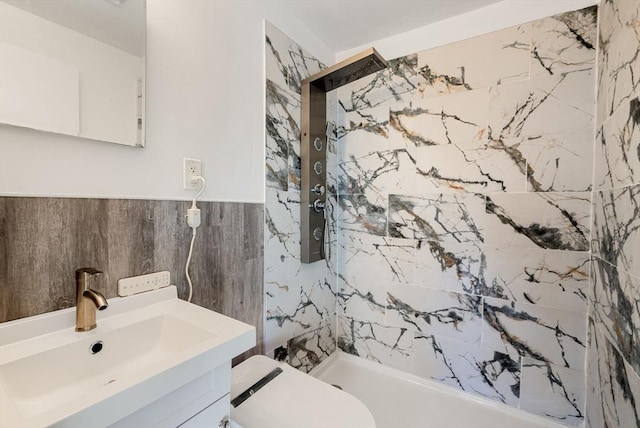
[348,70]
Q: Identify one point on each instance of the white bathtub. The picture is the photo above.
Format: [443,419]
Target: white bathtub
[401,400]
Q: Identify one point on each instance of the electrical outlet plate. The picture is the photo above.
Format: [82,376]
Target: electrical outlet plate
[191,168]
[142,283]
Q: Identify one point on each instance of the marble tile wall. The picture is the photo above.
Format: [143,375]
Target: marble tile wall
[613,381]
[300,300]
[464,182]
[44,240]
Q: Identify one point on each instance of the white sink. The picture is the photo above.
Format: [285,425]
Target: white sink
[152,344]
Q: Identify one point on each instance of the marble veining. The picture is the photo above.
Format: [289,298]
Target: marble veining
[535,332]
[553,391]
[459,267]
[447,314]
[618,56]
[547,105]
[464,213]
[440,217]
[498,57]
[617,227]
[362,299]
[376,257]
[479,370]
[288,64]
[458,118]
[374,160]
[306,351]
[363,213]
[618,147]
[460,205]
[311,303]
[283,112]
[486,168]
[564,42]
[557,163]
[299,298]
[616,307]
[391,85]
[546,220]
[613,388]
[495,58]
[332,145]
[557,279]
[391,346]
[613,384]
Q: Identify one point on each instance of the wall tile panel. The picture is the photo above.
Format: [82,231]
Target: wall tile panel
[466,196]
[478,370]
[300,299]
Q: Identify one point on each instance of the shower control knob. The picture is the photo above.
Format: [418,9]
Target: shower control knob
[317,234]
[317,143]
[318,189]
[317,167]
[317,205]
[224,422]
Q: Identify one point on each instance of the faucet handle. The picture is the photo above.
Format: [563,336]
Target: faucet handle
[83,276]
[88,271]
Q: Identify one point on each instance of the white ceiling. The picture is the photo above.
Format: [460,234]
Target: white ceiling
[340,24]
[345,24]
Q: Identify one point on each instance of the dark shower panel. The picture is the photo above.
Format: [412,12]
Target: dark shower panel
[313,159]
[313,178]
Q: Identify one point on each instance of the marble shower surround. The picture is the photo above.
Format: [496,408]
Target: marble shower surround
[299,298]
[464,200]
[613,381]
[44,240]
[464,232]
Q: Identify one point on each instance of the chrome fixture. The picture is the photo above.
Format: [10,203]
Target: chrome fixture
[87,300]
[318,206]
[318,190]
[315,130]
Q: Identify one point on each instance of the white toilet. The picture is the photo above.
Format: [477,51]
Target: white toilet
[290,399]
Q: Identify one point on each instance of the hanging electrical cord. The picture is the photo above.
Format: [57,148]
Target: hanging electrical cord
[193,220]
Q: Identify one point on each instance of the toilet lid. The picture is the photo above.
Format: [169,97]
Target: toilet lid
[293,400]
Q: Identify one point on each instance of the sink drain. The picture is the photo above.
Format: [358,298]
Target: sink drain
[96,347]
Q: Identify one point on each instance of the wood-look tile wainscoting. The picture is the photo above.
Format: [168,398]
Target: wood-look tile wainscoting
[44,240]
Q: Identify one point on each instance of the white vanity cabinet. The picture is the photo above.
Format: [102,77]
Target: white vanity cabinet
[216,415]
[203,402]
[161,362]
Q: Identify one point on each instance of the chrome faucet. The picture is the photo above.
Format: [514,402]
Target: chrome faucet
[87,300]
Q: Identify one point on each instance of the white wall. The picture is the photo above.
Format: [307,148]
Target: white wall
[497,16]
[205,83]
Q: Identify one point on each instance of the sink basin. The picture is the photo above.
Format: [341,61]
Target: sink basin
[48,379]
[144,347]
